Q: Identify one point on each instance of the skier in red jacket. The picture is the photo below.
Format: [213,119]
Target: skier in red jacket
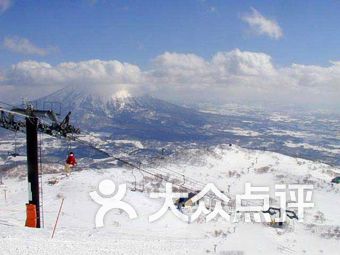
[70,163]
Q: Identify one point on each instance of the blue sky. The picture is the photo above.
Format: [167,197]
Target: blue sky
[283,52]
[137,31]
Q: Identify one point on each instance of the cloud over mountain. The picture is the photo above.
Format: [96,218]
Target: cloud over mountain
[234,76]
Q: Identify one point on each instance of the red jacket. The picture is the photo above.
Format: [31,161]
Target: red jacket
[71,160]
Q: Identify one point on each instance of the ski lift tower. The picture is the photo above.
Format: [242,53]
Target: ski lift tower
[33,165]
[31,126]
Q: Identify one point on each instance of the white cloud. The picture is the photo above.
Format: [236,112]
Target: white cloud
[191,70]
[243,77]
[177,68]
[25,46]
[93,74]
[262,25]
[234,76]
[247,63]
[4,5]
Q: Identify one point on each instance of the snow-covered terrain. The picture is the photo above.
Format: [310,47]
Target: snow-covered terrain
[130,117]
[228,167]
[183,146]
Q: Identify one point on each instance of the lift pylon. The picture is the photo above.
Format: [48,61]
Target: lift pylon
[31,125]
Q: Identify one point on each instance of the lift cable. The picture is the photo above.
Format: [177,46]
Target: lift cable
[158,174]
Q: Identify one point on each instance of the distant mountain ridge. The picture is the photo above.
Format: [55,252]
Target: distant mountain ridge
[146,118]
[124,115]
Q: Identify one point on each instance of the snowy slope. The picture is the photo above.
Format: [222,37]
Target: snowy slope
[224,166]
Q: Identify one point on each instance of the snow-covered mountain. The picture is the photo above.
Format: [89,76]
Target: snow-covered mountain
[144,118]
[121,114]
[229,168]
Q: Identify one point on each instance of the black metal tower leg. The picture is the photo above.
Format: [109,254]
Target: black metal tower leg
[32,164]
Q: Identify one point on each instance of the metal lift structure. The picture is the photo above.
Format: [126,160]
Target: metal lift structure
[33,121]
